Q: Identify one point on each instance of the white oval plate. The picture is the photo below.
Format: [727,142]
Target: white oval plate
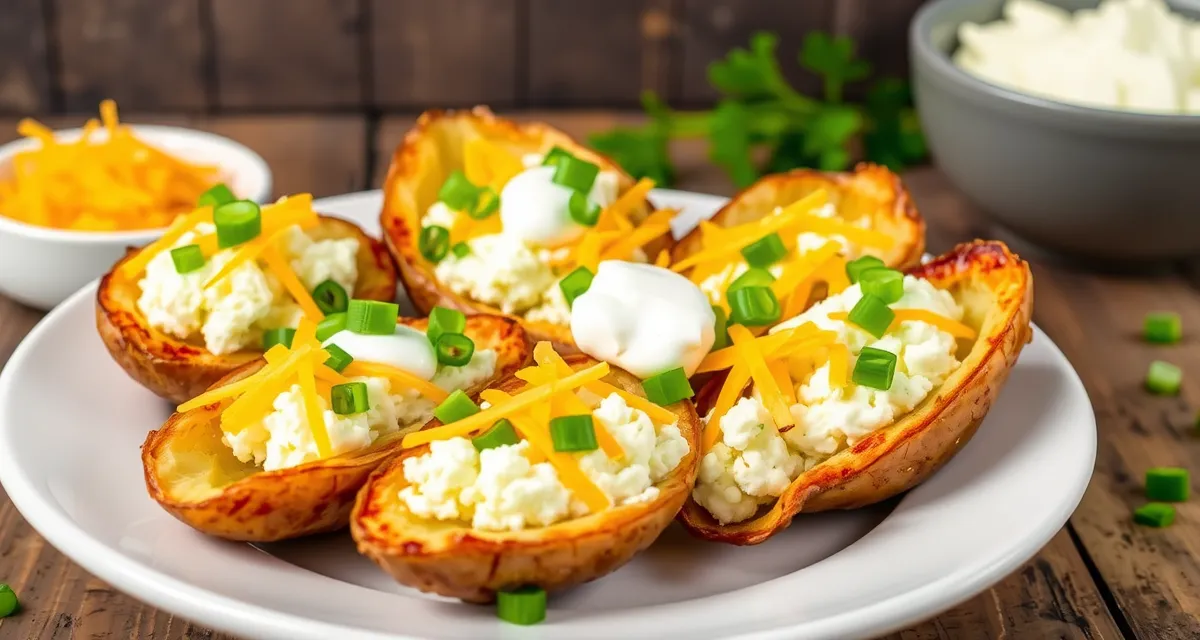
[71,424]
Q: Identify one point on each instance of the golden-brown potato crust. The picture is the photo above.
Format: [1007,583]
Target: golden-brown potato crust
[179,370]
[427,155]
[196,478]
[451,559]
[995,288]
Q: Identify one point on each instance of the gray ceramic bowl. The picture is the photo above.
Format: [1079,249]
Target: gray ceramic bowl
[1085,182]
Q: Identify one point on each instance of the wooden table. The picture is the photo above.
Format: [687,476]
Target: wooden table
[1101,577]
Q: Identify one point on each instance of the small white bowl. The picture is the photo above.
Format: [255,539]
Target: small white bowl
[41,266]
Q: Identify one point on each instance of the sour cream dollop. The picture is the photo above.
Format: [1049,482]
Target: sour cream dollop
[644,319]
[406,349]
[535,209]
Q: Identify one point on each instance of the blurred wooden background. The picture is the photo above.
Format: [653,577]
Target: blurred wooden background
[374,56]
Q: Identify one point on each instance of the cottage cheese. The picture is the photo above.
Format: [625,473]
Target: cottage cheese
[501,271]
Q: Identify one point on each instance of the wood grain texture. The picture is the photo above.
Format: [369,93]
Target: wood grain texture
[143,55]
[24,67]
[880,32]
[450,53]
[274,54]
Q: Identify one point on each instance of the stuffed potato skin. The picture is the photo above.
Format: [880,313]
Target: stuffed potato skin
[996,289]
[192,474]
[179,370]
[451,559]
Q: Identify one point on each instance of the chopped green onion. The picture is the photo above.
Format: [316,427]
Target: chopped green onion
[458,192]
[330,297]
[524,605]
[456,407]
[552,156]
[872,315]
[283,336]
[434,242]
[338,359]
[443,320]
[8,601]
[754,306]
[237,222]
[721,328]
[217,195]
[332,324]
[582,210]
[1163,328]
[573,173]
[349,398]
[372,317]
[1164,378]
[460,249]
[883,283]
[874,368]
[487,204]
[855,267]
[500,434]
[1167,484]
[454,349]
[575,284]
[1154,514]
[765,251]
[668,387]
[752,277]
[187,258]
[573,433]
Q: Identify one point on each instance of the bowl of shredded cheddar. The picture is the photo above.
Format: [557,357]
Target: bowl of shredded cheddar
[72,200]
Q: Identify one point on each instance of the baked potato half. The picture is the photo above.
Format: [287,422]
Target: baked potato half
[452,559]
[995,289]
[192,474]
[178,370]
[420,165]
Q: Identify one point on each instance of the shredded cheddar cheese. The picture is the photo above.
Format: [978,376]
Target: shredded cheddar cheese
[731,390]
[734,240]
[398,377]
[485,163]
[756,363]
[952,327]
[839,365]
[565,464]
[659,414]
[313,413]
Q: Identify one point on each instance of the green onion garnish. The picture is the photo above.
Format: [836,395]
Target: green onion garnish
[754,306]
[885,284]
[582,210]
[575,284]
[1167,484]
[552,156]
[458,192]
[720,328]
[500,434]
[874,368]
[218,194]
[872,315]
[187,258]
[282,335]
[434,242]
[330,297]
[1163,328]
[765,251]
[525,605]
[668,387]
[573,173]
[443,320]
[8,601]
[349,398]
[752,277]
[487,203]
[237,222]
[454,349]
[855,267]
[372,317]
[460,249]
[338,359]
[332,324]
[455,407]
[573,433]
[1154,514]
[1163,378]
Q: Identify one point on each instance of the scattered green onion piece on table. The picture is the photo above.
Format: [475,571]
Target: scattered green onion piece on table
[332,324]
[454,349]
[500,434]
[575,284]
[1163,328]
[1163,378]
[486,204]
[237,222]
[372,317]
[576,174]
[554,155]
[283,336]
[668,387]
[460,249]
[330,297]
[8,601]
[885,284]
[524,605]
[855,267]
[573,433]
[187,258]
[875,368]
[1154,514]
[434,242]
[752,277]
[1167,484]
[765,251]
[583,210]
[754,306]
[720,328]
[349,398]
[218,194]
[456,407]
[872,315]
[338,358]
[443,320]
[458,192]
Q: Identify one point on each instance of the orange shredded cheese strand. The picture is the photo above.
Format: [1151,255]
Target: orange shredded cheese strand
[291,282]
[306,333]
[710,233]
[768,225]
[802,269]
[259,397]
[137,263]
[233,389]
[616,215]
[751,354]
[564,463]
[108,115]
[952,327]
[857,235]
[657,224]
[567,403]
[779,371]
[727,357]
[835,276]
[487,164]
[326,374]
[663,259]
[313,412]
[398,377]
[731,390]
[839,365]
[587,252]
[655,412]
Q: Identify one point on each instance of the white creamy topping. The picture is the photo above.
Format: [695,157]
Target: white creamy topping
[501,271]
[535,209]
[406,349]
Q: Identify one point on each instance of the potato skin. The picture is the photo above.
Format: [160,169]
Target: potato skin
[178,370]
[423,160]
[996,288]
[451,559]
[265,506]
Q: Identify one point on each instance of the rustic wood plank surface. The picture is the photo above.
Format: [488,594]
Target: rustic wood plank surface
[24,67]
